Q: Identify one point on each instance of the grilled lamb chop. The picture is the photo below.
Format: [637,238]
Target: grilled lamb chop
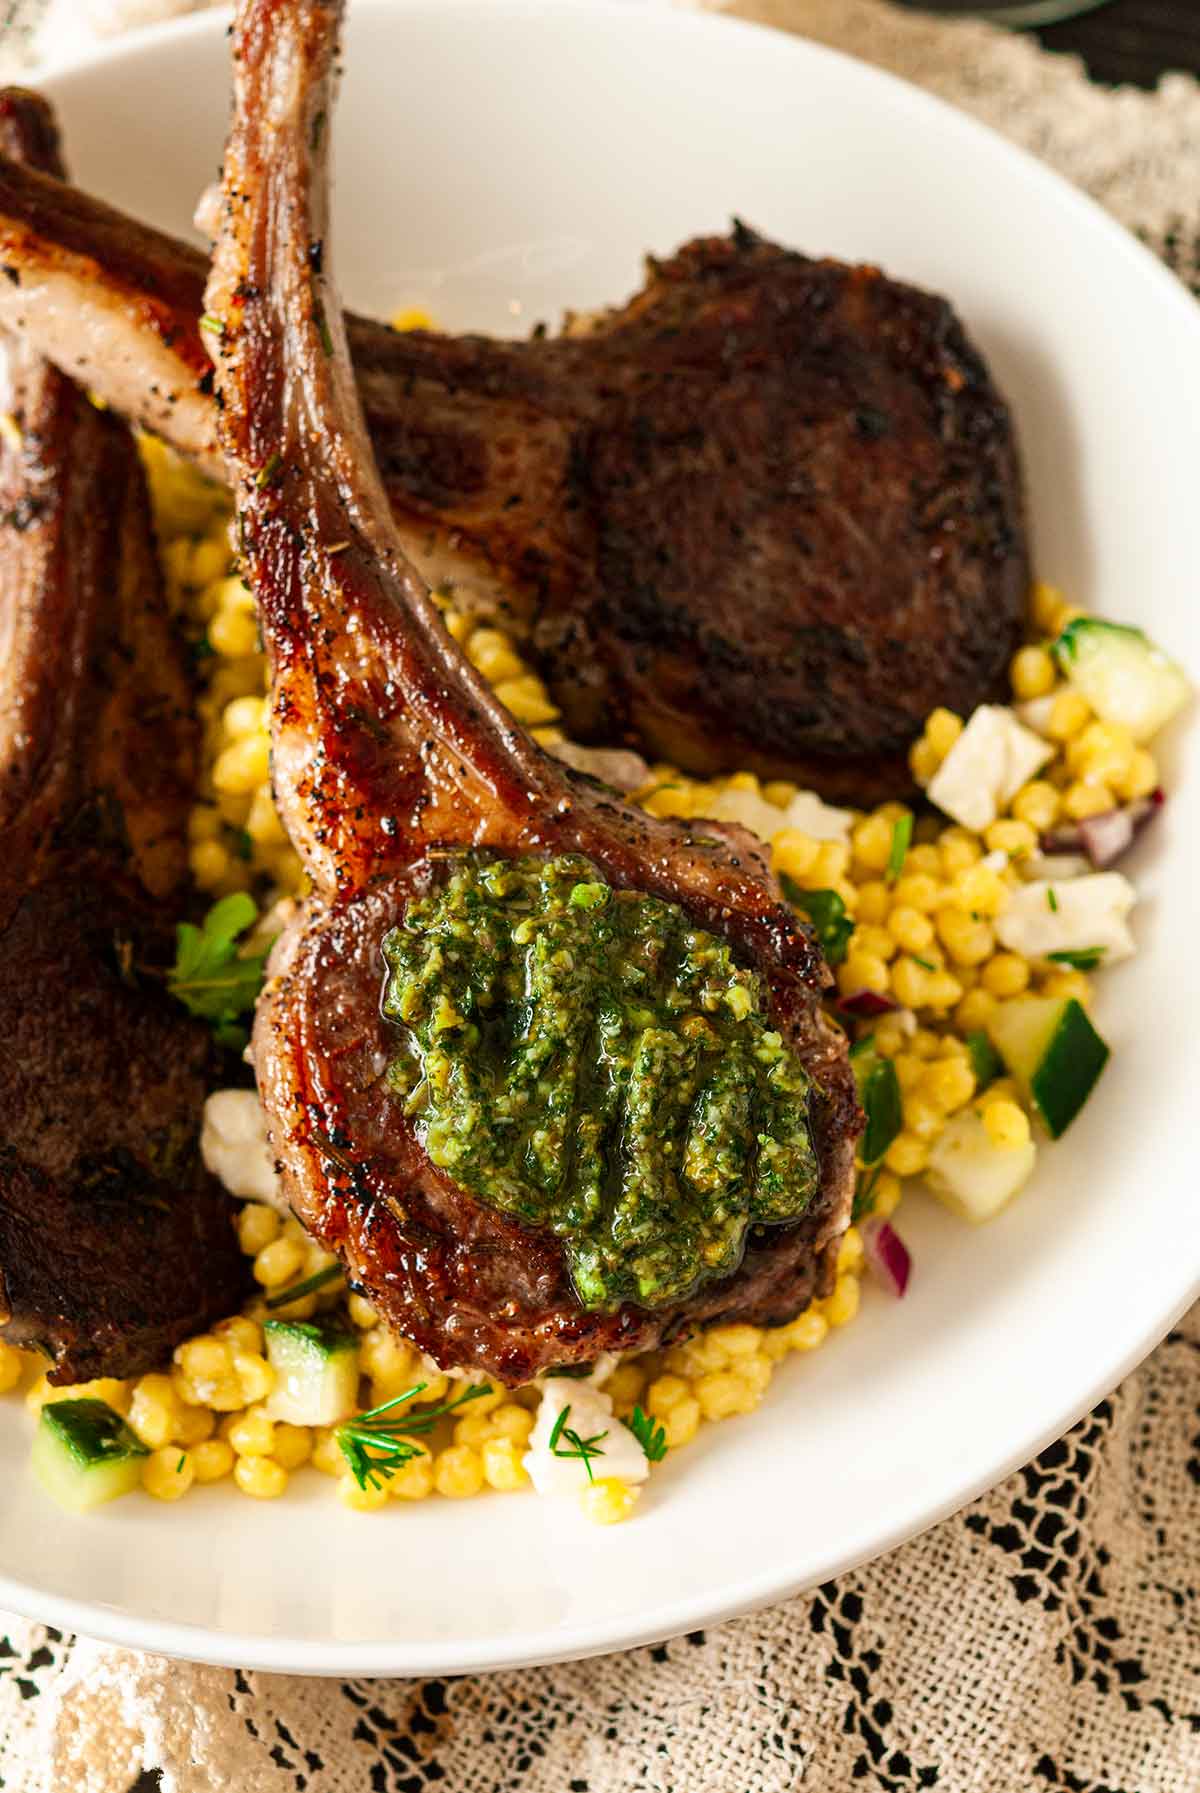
[114,1242]
[389,757]
[767,515]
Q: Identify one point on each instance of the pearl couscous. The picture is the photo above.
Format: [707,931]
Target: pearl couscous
[930,958]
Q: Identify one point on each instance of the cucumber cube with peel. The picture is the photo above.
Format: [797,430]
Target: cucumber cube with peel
[84,1454]
[1050,1046]
[973,1176]
[316,1371]
[1124,676]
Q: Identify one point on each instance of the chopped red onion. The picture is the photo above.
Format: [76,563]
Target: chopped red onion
[866,1005]
[1106,837]
[887,1255]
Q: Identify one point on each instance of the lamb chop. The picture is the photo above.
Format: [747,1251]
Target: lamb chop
[402,781]
[766,515]
[114,1242]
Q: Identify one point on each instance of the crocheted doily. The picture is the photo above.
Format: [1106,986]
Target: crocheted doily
[1048,1636]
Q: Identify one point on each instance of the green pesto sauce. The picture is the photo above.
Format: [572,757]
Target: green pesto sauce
[588,1060]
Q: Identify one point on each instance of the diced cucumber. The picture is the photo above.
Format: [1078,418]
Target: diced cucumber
[985,1060]
[879,1093]
[1053,1051]
[85,1454]
[973,1176]
[1122,674]
[316,1371]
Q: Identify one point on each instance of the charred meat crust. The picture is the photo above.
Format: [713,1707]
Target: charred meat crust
[114,1242]
[389,751]
[766,515]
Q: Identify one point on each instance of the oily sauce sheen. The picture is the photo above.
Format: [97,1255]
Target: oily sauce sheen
[589,1061]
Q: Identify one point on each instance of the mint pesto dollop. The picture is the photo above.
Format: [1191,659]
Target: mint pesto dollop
[587,1059]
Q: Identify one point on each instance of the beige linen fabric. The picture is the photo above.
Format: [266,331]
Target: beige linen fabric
[1047,1637]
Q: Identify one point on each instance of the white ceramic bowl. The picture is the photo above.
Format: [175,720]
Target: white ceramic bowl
[499,160]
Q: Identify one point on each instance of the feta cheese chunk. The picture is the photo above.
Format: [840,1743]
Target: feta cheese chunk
[618,1452]
[233,1144]
[806,812]
[1072,916]
[986,767]
[1035,713]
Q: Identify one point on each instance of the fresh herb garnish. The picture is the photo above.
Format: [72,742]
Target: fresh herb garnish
[901,838]
[985,1060]
[375,1447]
[650,1435]
[864,1193]
[322,327]
[827,913]
[578,1372]
[309,1286]
[1080,958]
[269,471]
[879,1093]
[925,964]
[214,325]
[180,1464]
[210,977]
[581,1449]
[1052,899]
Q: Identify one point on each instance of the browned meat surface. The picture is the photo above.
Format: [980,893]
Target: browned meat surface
[114,1242]
[387,752]
[766,515]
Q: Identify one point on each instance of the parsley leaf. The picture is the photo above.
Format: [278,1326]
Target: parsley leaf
[1082,958]
[827,913]
[650,1435]
[210,977]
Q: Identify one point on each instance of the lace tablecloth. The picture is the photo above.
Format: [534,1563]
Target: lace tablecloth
[1046,1637]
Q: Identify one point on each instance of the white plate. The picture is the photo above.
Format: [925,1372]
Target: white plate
[499,161]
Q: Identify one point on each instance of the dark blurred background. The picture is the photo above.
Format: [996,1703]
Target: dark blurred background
[1133,40]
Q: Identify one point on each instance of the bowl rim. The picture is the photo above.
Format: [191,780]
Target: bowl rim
[580,1639]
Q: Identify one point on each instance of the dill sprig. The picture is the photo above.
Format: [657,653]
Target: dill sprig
[581,1449]
[376,1447]
[650,1435]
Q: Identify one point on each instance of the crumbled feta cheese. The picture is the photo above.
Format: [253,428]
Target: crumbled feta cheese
[1035,712]
[618,1452]
[805,812]
[1053,866]
[233,1144]
[820,821]
[992,758]
[1074,916]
